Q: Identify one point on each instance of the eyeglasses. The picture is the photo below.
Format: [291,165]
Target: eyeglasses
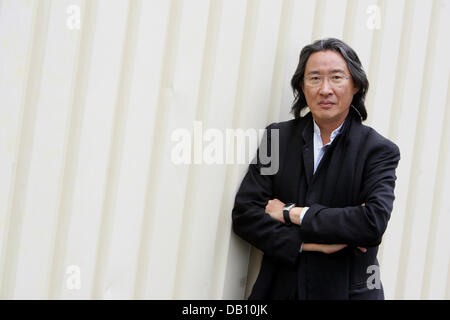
[316,80]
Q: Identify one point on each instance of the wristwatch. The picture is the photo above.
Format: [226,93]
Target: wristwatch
[287,207]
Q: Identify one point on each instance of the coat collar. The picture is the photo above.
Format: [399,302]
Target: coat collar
[353,119]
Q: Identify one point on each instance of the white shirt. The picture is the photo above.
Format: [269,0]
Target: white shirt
[319,151]
[319,148]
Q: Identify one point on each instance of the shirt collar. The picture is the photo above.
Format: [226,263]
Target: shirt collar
[333,134]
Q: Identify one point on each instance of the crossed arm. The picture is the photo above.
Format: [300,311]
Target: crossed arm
[274,208]
[258,219]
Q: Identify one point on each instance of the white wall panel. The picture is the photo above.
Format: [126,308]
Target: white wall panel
[356,33]
[424,169]
[384,69]
[142,126]
[436,274]
[15,84]
[177,102]
[329,19]
[407,99]
[88,182]
[47,154]
[116,269]
[96,132]
[201,215]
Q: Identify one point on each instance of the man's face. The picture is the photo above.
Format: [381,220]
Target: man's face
[329,103]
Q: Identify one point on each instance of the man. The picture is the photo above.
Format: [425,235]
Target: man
[320,218]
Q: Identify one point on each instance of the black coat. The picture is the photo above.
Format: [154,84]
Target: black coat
[358,167]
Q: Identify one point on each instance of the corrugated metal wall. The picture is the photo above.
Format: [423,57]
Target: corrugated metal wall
[91,203]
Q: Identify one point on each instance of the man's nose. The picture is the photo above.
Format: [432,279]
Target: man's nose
[325,87]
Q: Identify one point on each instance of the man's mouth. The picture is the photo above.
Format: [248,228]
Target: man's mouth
[326,103]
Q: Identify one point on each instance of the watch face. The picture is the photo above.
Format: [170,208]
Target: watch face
[289,206]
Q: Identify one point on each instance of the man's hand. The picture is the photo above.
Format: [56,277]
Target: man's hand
[275,209]
[326,248]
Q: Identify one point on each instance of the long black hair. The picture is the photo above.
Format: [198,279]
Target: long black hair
[354,66]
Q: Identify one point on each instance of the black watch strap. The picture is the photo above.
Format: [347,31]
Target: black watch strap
[286,209]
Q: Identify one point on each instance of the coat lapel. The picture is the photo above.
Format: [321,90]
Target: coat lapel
[292,167]
[308,150]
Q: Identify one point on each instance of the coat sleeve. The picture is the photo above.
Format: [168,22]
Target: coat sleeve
[252,224]
[358,225]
